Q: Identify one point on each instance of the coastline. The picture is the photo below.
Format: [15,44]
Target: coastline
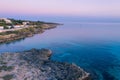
[25,32]
[36,64]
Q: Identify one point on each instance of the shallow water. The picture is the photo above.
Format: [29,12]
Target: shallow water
[92,46]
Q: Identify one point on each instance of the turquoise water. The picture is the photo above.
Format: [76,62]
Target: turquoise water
[93,46]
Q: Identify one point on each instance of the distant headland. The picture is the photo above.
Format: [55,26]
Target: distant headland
[11,29]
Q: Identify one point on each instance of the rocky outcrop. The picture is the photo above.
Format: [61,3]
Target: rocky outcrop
[36,65]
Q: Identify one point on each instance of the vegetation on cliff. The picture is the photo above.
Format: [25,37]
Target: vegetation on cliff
[29,29]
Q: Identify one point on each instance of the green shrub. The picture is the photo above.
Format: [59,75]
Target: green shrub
[6,68]
[8,77]
[5,27]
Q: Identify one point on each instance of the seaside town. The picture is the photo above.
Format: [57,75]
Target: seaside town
[11,29]
[11,24]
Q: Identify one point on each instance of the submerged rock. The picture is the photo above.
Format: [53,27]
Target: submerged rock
[36,65]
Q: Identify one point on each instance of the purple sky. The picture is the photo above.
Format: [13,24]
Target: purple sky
[109,8]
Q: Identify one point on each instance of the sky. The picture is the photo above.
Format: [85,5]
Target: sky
[95,8]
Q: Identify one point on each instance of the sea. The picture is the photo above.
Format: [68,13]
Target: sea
[93,46]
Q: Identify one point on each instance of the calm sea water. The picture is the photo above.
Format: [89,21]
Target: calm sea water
[93,46]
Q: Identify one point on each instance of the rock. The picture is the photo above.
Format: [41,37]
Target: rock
[35,64]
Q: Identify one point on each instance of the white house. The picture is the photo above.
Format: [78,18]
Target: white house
[9,27]
[1,27]
[6,20]
[18,26]
[25,23]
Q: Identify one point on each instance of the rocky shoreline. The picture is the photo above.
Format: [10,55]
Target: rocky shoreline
[11,35]
[36,65]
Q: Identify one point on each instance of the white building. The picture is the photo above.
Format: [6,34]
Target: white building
[1,27]
[25,23]
[18,26]
[9,27]
[6,20]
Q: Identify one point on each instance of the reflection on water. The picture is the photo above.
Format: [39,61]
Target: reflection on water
[92,46]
